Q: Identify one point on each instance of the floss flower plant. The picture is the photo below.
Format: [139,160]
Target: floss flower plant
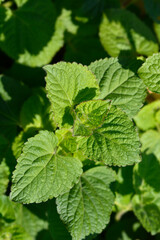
[79,120]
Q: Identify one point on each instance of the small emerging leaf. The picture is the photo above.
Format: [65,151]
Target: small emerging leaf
[114,142]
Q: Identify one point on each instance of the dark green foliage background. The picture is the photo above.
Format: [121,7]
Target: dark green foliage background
[34,33]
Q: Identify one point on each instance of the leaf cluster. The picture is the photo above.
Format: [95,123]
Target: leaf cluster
[79,120]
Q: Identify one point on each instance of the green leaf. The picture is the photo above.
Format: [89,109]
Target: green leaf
[124,191]
[86,208]
[14,232]
[146,202]
[114,142]
[150,74]
[128,228]
[20,2]
[33,33]
[4,177]
[16,214]
[94,8]
[151,142]
[41,173]
[12,96]
[90,116]
[19,141]
[119,84]
[157,117]
[156,27]
[31,223]
[9,159]
[67,85]
[6,208]
[121,30]
[146,118]
[9,89]
[78,49]
[67,142]
[35,113]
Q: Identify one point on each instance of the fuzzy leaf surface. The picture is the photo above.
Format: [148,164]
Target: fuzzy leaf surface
[42,174]
[68,84]
[119,84]
[114,142]
[86,208]
[90,116]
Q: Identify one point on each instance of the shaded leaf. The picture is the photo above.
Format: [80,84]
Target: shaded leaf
[117,34]
[146,118]
[4,177]
[150,74]
[33,33]
[151,142]
[35,113]
[12,96]
[153,9]
[146,202]
[56,226]
[6,208]
[14,232]
[75,44]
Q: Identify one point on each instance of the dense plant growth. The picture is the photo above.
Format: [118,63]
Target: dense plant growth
[79,120]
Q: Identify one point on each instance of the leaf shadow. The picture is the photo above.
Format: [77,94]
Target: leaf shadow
[31,26]
[148,171]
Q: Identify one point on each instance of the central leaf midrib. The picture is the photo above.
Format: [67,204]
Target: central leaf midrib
[110,92]
[70,100]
